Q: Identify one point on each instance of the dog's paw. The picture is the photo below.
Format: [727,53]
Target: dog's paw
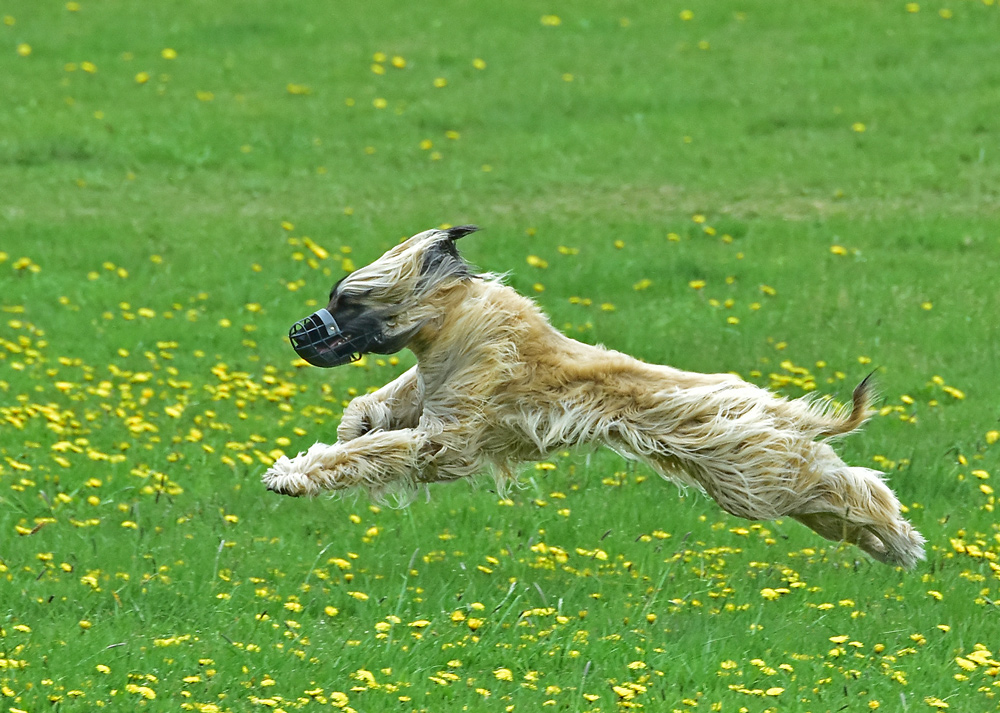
[284,479]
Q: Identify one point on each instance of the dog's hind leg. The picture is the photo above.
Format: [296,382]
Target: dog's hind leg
[852,504]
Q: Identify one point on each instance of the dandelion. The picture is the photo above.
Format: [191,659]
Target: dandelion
[551,20]
[440,82]
[23,49]
[168,53]
[478,63]
[142,77]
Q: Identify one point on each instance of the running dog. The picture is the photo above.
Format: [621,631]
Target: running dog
[496,385]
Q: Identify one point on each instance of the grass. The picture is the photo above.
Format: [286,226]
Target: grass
[799,193]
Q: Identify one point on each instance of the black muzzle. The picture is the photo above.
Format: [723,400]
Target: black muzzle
[319,341]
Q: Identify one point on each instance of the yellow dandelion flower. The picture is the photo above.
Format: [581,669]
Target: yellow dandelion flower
[503,674]
[858,127]
[168,53]
[687,15]
[23,49]
[912,7]
[398,62]
[478,63]
[440,82]
[551,20]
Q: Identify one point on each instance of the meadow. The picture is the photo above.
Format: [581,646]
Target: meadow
[800,193]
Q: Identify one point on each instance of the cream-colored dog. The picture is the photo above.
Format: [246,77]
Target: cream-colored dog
[496,385]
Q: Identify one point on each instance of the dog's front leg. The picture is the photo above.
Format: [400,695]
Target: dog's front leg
[371,461]
[395,405]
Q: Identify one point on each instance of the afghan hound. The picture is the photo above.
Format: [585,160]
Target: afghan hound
[496,385]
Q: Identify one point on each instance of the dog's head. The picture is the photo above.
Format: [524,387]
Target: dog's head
[377,309]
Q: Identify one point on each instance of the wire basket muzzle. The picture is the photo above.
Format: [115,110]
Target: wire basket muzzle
[320,341]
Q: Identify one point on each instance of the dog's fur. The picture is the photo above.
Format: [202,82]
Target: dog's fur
[496,385]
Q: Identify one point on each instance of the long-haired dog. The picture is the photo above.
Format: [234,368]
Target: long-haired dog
[496,385]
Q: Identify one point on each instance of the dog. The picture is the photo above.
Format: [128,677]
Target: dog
[496,385]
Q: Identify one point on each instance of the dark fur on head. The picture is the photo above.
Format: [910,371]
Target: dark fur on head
[442,256]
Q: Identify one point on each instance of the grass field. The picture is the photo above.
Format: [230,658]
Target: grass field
[796,192]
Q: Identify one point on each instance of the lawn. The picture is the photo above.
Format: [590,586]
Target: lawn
[800,193]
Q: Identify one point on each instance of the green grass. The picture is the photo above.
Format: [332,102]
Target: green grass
[827,170]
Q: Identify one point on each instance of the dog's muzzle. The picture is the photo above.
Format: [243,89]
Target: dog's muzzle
[319,341]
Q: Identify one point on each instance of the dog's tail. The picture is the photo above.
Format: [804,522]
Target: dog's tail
[842,422]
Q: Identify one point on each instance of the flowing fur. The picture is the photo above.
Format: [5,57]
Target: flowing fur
[496,385]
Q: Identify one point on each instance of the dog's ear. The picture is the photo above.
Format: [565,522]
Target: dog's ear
[460,231]
[442,256]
